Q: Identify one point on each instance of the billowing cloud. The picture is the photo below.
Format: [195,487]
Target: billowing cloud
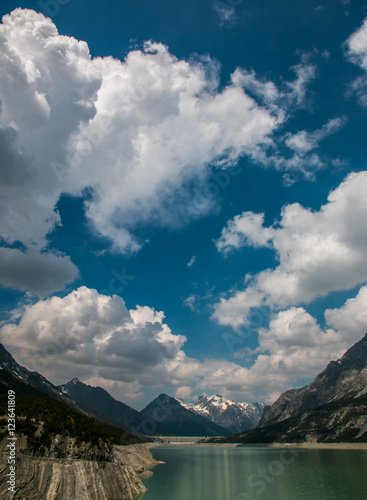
[292,94]
[135,132]
[292,348]
[295,346]
[351,318]
[318,252]
[168,121]
[183,392]
[93,335]
[48,89]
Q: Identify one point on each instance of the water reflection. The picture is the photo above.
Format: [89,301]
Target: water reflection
[210,473]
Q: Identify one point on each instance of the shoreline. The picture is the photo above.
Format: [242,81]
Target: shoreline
[306,446]
[186,445]
[321,446]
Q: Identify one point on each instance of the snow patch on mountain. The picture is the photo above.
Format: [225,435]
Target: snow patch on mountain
[229,414]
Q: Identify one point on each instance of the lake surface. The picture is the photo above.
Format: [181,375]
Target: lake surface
[219,473]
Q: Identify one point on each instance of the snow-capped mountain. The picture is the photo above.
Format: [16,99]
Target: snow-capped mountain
[233,416]
[172,418]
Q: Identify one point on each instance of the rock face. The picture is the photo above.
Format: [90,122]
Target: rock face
[138,457]
[345,378]
[64,447]
[47,478]
[170,418]
[235,417]
[344,421]
[333,408]
[42,479]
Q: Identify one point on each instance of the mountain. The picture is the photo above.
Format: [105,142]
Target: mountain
[41,418]
[228,417]
[18,373]
[344,378]
[43,412]
[169,417]
[61,449]
[235,417]
[333,408]
[35,379]
[101,401]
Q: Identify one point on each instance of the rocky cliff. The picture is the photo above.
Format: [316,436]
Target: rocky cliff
[115,474]
[50,479]
[333,408]
[345,378]
[343,421]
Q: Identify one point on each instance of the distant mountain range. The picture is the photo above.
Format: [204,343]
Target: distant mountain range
[333,408]
[170,418]
[208,416]
[235,417]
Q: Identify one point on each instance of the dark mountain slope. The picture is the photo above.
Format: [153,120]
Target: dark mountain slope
[101,401]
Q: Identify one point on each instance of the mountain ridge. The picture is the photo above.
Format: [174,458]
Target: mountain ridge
[169,417]
[234,416]
[342,378]
[99,400]
[331,409]
[162,416]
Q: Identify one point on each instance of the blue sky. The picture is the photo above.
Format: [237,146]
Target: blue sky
[183,192]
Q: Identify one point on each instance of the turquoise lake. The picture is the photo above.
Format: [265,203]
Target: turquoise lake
[220,473]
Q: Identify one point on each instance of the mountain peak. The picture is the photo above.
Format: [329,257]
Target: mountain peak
[74,381]
[226,413]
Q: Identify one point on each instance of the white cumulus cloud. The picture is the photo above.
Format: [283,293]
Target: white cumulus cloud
[318,252]
[135,132]
[86,334]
